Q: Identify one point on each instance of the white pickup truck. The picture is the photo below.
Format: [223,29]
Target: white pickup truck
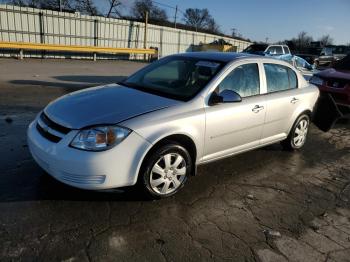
[265,49]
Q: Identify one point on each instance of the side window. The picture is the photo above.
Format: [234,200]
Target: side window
[244,80]
[286,50]
[275,50]
[279,78]
[327,51]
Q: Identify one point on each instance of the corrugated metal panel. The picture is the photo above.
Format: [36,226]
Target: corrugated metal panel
[46,26]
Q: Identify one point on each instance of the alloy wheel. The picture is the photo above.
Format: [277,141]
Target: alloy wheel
[300,133]
[168,173]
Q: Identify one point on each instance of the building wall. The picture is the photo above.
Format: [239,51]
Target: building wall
[24,24]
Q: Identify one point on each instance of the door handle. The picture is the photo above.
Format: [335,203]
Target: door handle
[294,100]
[257,108]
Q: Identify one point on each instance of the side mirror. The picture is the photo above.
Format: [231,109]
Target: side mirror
[226,96]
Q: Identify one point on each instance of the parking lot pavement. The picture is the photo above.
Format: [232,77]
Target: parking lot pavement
[264,205]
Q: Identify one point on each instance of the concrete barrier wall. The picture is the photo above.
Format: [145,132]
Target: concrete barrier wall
[24,24]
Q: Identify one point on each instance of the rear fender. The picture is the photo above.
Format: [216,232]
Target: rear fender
[326,112]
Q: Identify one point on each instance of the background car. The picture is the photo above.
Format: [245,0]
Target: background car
[334,84]
[178,112]
[264,49]
[331,54]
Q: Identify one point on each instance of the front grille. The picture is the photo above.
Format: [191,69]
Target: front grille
[51,130]
[53,125]
[48,135]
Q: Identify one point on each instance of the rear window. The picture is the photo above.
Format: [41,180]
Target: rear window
[279,78]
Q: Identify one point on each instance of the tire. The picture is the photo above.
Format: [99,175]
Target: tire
[297,136]
[165,171]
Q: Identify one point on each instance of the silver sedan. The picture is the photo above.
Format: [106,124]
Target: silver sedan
[184,110]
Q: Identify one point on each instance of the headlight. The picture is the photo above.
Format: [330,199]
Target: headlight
[316,80]
[100,138]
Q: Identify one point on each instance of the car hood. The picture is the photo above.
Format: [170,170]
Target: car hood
[332,73]
[109,104]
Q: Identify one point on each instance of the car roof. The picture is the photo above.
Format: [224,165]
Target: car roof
[217,56]
[228,57]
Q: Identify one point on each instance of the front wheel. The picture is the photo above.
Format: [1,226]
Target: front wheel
[297,135]
[166,171]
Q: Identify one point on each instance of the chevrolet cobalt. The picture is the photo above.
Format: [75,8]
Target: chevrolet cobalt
[155,127]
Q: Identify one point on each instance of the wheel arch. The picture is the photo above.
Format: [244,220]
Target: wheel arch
[304,111]
[184,140]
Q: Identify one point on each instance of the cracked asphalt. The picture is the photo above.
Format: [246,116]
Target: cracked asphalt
[264,205]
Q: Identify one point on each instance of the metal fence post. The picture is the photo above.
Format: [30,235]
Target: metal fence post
[145,34]
[95,37]
[42,32]
[41,28]
[161,42]
[95,32]
[179,42]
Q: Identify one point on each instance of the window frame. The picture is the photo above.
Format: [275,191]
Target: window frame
[236,65]
[288,68]
[286,49]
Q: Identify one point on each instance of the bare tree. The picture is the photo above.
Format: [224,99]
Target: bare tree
[155,13]
[212,26]
[234,32]
[113,10]
[198,18]
[303,39]
[16,2]
[86,7]
[66,5]
[326,40]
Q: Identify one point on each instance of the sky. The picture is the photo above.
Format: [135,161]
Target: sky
[273,19]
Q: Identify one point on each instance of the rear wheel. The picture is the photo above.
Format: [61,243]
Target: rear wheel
[297,136]
[166,171]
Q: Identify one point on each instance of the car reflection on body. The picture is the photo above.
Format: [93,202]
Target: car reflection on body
[176,113]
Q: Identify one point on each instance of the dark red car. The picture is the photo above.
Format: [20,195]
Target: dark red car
[334,84]
[335,81]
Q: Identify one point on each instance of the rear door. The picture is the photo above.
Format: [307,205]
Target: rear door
[282,98]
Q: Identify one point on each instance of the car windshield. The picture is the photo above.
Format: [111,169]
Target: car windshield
[179,78]
[255,48]
[343,64]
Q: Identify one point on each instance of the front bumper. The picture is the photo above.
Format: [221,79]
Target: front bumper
[113,168]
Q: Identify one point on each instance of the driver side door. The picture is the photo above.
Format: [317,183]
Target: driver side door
[236,126]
